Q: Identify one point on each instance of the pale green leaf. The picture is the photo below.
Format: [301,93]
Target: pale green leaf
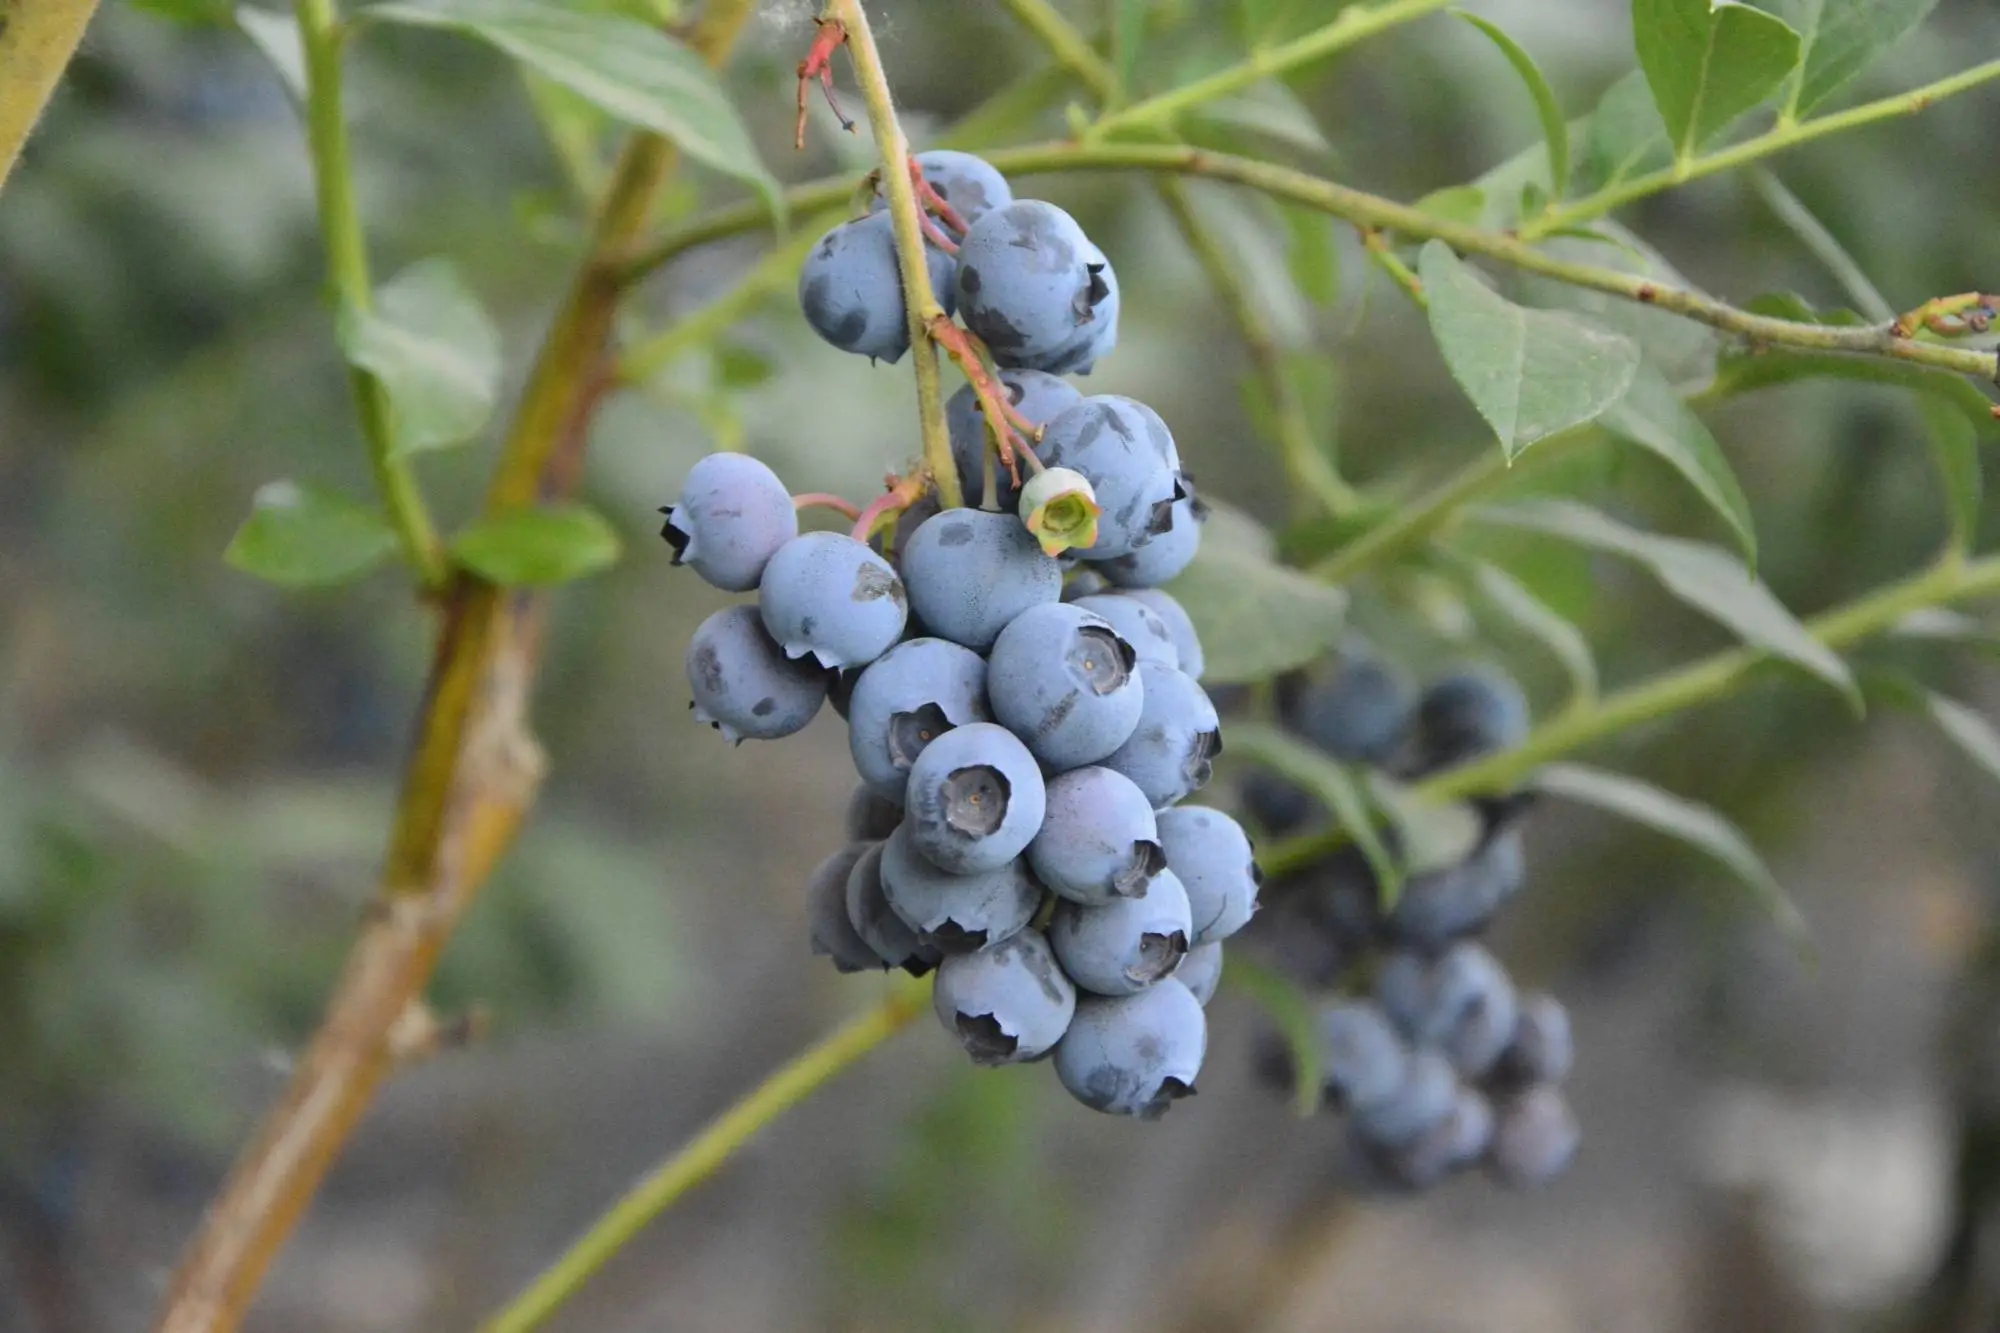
[1511,598]
[1270,109]
[1840,38]
[1955,451]
[1707,578]
[431,345]
[1708,63]
[1531,373]
[1624,137]
[1653,416]
[1555,128]
[277,36]
[1256,618]
[1128,35]
[1691,822]
[1971,732]
[1312,254]
[1677,348]
[631,69]
[1463,204]
[305,538]
[536,547]
[1332,784]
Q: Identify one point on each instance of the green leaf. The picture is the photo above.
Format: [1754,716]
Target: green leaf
[1840,38]
[1128,34]
[1970,731]
[1653,416]
[537,547]
[277,36]
[303,538]
[1272,110]
[1511,598]
[1531,373]
[1707,578]
[1256,618]
[1625,136]
[1313,255]
[1708,64]
[1679,349]
[1555,127]
[631,69]
[1331,784]
[1944,624]
[1463,204]
[193,13]
[1264,21]
[429,342]
[1955,450]
[1293,1011]
[1689,821]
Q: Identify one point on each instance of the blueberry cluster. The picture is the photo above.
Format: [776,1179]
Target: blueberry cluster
[1024,724]
[1427,1048]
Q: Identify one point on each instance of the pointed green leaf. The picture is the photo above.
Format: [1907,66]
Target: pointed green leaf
[1706,577]
[1463,204]
[1511,598]
[1531,373]
[1955,450]
[631,69]
[1555,128]
[1128,35]
[1840,38]
[1708,63]
[1272,110]
[1331,784]
[1625,136]
[1970,731]
[1312,253]
[1292,1010]
[537,547]
[1691,822]
[303,538]
[277,36]
[429,342]
[1256,618]
[1653,416]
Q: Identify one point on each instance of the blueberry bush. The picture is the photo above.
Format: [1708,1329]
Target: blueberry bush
[1118,746]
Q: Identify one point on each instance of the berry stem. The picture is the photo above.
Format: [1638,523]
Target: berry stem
[818,64]
[1005,425]
[901,494]
[707,1152]
[823,500]
[919,301]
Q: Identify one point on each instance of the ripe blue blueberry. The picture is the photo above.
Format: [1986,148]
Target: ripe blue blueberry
[1362,1059]
[1535,1138]
[1424,1099]
[828,928]
[1038,396]
[852,292]
[975,799]
[1440,906]
[1201,971]
[1211,855]
[743,685]
[1134,1054]
[1127,944]
[1171,750]
[1128,455]
[1163,559]
[826,594]
[1065,682]
[1463,716]
[1453,1144]
[907,698]
[956,913]
[1179,625]
[1033,287]
[972,186]
[1097,339]
[1357,708]
[1138,624]
[1098,839]
[1461,1003]
[877,924]
[1543,1049]
[1006,1003]
[970,572]
[870,818]
[732,517]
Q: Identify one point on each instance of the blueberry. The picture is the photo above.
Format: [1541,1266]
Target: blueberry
[1134,1054]
[1186,642]
[877,924]
[1535,1138]
[972,186]
[1066,683]
[1126,944]
[907,698]
[732,517]
[1211,855]
[1462,1003]
[826,594]
[1201,971]
[1098,840]
[1097,339]
[1163,559]
[743,685]
[1357,709]
[1542,1050]
[1420,1102]
[852,291]
[956,913]
[1138,624]
[970,572]
[1171,750]
[870,818]
[1362,1059]
[1439,906]
[1464,716]
[828,927]
[1007,1002]
[1037,395]
[1126,452]
[1033,287]
[975,799]
[1456,1142]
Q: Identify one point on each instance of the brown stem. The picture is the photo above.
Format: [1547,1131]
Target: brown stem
[470,781]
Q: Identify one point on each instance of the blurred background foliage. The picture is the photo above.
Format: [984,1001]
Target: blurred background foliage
[196,770]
